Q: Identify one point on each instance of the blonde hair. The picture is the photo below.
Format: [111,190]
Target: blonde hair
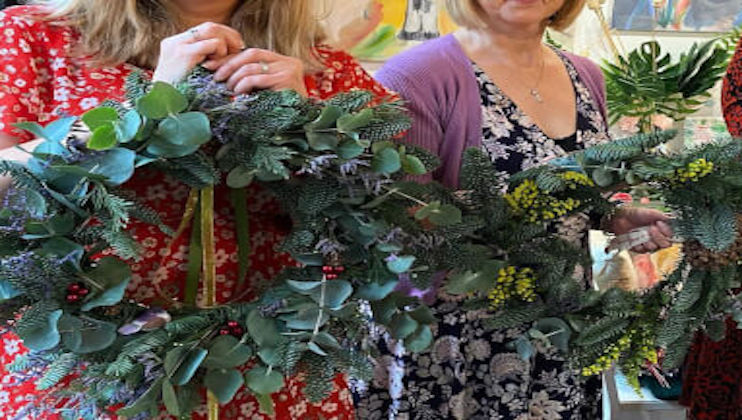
[469,14]
[116,31]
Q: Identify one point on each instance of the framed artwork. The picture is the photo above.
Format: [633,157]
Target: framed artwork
[677,15]
[378,29]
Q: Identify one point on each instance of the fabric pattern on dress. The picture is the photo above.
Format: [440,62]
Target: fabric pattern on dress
[469,372]
[40,80]
[712,389]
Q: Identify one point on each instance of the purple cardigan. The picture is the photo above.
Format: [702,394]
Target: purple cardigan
[437,82]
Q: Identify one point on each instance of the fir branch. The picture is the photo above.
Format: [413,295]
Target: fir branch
[57,370]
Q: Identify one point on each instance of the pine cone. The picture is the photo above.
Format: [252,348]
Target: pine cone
[703,258]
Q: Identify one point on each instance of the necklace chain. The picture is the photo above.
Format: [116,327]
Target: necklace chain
[534,91]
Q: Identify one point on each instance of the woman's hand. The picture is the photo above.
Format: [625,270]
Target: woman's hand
[179,54]
[256,68]
[630,218]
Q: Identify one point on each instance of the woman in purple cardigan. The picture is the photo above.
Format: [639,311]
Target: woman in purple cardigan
[494,85]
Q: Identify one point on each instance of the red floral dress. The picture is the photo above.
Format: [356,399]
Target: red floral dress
[40,80]
[712,382]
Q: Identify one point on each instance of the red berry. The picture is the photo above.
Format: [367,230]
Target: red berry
[83,291]
[74,287]
[72,298]
[237,331]
[339,269]
[327,269]
[233,324]
[224,331]
[331,276]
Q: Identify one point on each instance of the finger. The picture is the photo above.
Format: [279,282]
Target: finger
[659,238]
[202,49]
[251,55]
[208,30]
[259,81]
[639,249]
[243,72]
[665,228]
[215,63]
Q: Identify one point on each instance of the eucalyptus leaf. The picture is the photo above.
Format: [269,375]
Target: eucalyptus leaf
[35,204]
[227,352]
[386,161]
[100,117]
[183,363]
[224,383]
[54,132]
[170,399]
[413,165]
[114,276]
[314,348]
[161,101]
[263,331]
[240,177]
[402,326]
[128,127]
[306,319]
[103,138]
[117,165]
[188,129]
[419,340]
[326,119]
[375,291]
[322,141]
[400,264]
[43,336]
[350,149]
[84,337]
[262,381]
[352,122]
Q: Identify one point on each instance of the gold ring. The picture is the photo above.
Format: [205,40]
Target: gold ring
[264,67]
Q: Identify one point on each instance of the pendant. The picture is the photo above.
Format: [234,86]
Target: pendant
[537,96]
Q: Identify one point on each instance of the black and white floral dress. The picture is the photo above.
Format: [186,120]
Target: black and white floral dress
[469,372]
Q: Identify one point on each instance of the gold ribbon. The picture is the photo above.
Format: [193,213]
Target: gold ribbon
[209,273]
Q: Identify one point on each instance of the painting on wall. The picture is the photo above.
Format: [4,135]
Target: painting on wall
[677,15]
[378,29]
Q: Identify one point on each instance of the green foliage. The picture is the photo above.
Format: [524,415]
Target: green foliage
[57,370]
[648,82]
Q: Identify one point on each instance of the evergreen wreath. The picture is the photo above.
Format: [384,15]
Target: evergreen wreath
[360,226]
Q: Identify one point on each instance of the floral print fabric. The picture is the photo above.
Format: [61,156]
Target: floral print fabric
[42,79]
[470,372]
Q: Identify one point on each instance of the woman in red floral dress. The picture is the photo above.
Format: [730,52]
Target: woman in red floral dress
[67,64]
[712,383]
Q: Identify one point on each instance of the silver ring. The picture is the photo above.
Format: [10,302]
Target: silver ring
[366,14]
[264,67]
[194,33]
